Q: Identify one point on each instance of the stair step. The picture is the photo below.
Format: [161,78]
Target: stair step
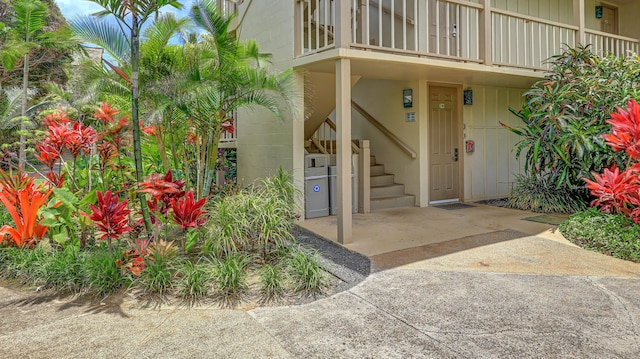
[377,170]
[372,160]
[393,202]
[382,180]
[392,190]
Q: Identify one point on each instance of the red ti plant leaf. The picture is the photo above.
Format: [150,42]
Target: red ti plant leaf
[55,180]
[614,190]
[105,113]
[163,190]
[81,138]
[59,136]
[133,259]
[188,213]
[23,208]
[56,118]
[48,154]
[12,183]
[625,133]
[110,216]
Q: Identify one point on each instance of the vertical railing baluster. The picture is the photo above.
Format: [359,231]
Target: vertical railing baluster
[367,24]
[392,25]
[309,28]
[404,24]
[380,23]
[415,25]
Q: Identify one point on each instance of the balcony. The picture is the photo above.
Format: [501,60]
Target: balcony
[486,32]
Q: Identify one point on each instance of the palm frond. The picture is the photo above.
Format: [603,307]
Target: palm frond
[102,33]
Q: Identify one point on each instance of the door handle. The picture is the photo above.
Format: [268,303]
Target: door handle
[455,155]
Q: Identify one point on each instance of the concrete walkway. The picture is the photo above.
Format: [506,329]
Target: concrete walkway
[514,297]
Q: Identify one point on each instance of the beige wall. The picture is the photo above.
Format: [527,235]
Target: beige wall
[554,10]
[489,171]
[627,17]
[383,100]
[264,142]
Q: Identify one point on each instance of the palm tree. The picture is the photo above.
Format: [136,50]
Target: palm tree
[226,75]
[27,33]
[131,15]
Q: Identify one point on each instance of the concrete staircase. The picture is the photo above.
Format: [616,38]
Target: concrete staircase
[385,193]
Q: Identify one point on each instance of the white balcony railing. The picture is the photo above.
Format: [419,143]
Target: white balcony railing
[525,41]
[458,30]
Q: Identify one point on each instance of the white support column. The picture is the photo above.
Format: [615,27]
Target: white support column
[578,20]
[486,33]
[364,185]
[342,37]
[343,137]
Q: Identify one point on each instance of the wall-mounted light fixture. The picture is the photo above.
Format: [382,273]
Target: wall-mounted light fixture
[407,98]
[467,96]
[599,12]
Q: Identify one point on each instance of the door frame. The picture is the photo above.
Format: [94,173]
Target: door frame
[615,9]
[460,139]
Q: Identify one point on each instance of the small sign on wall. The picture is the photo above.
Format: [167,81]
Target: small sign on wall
[407,98]
[468,97]
[410,116]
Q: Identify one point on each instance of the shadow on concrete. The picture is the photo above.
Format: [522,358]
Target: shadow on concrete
[410,255]
[84,303]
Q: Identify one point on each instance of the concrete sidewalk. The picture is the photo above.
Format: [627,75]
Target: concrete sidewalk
[529,297]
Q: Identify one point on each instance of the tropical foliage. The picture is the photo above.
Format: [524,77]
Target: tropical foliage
[565,115]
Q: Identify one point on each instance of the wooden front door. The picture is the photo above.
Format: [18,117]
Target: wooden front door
[609,19]
[444,151]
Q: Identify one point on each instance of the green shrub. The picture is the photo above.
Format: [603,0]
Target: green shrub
[611,234]
[258,219]
[193,281]
[102,275]
[536,193]
[565,115]
[63,270]
[306,272]
[272,281]
[156,277]
[230,276]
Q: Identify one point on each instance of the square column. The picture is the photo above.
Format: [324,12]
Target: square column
[343,146]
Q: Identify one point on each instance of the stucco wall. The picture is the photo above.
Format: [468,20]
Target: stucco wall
[264,142]
[489,171]
[383,100]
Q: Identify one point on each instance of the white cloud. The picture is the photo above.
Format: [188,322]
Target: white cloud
[70,8]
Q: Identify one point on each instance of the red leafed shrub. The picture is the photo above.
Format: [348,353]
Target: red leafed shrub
[619,191]
[163,190]
[133,259]
[111,216]
[23,201]
[187,212]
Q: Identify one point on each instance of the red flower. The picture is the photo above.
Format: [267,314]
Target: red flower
[188,213]
[110,216]
[625,133]
[227,126]
[105,113]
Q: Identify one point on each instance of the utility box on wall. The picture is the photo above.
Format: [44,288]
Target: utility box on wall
[316,185]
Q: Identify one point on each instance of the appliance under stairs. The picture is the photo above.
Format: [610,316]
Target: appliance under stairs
[385,193]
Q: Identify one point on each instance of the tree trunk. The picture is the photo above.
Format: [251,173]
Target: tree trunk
[162,150]
[135,123]
[22,153]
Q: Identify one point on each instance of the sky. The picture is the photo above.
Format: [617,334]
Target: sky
[71,8]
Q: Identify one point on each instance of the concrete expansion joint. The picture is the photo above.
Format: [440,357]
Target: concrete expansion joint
[624,304]
[150,333]
[406,323]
